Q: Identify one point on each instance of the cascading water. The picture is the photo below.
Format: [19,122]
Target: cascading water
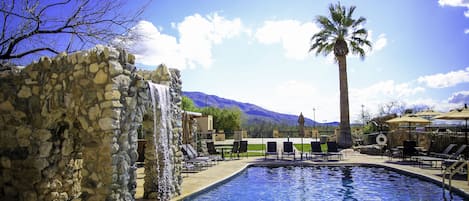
[162,139]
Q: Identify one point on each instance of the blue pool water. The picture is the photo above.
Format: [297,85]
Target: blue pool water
[324,183]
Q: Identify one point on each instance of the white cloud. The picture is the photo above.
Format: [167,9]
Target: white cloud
[459,97]
[381,42]
[293,35]
[197,36]
[441,80]
[457,3]
[386,89]
[294,89]
[151,47]
[378,43]
[379,93]
[295,38]
[295,96]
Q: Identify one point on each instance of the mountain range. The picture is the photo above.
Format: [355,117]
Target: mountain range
[253,112]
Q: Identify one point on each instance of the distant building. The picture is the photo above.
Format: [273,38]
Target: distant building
[205,126]
[205,123]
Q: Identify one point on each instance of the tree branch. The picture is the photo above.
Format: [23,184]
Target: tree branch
[90,22]
[29,52]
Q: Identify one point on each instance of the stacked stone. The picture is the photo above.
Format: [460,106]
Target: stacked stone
[37,144]
[171,78]
[69,127]
[176,105]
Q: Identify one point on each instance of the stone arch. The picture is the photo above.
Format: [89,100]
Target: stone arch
[70,126]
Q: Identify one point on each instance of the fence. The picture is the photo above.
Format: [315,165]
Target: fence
[441,139]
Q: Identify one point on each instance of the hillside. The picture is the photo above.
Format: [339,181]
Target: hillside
[253,112]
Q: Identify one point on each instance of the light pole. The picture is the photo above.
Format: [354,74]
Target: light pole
[314,123]
[363,115]
[327,126]
[314,117]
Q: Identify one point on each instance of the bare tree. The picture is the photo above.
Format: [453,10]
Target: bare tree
[392,107]
[49,27]
[363,117]
[421,107]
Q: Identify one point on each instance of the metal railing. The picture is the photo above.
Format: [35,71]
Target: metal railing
[450,171]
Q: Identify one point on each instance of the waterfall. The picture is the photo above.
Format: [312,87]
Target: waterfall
[162,139]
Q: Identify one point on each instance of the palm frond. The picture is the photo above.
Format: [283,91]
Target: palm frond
[362,41]
[359,21]
[360,32]
[340,26]
[336,14]
[350,12]
[325,23]
[356,49]
[329,48]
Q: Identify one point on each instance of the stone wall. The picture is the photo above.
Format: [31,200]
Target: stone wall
[69,126]
[397,138]
[153,169]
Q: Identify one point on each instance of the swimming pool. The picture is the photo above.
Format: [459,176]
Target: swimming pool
[324,183]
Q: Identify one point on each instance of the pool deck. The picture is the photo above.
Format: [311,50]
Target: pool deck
[194,182]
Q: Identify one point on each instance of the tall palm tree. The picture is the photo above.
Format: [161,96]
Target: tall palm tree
[339,34]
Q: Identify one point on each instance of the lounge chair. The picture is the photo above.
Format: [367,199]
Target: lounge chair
[190,156]
[188,167]
[454,155]
[214,154]
[288,150]
[243,147]
[446,151]
[316,150]
[428,151]
[211,148]
[235,149]
[409,149]
[271,149]
[394,152]
[332,150]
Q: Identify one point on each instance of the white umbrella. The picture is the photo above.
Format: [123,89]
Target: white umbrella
[458,114]
[409,119]
[427,114]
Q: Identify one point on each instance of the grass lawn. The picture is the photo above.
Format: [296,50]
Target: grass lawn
[307,147]
[253,150]
[256,147]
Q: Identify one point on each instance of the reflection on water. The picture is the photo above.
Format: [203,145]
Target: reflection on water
[324,183]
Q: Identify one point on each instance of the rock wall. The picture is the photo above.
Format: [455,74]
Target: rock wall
[153,169]
[69,126]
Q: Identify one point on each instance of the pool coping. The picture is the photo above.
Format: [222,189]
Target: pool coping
[281,163]
[215,184]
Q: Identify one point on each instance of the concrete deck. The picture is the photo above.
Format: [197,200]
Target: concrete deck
[195,182]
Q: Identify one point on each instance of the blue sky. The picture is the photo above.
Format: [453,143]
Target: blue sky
[257,52]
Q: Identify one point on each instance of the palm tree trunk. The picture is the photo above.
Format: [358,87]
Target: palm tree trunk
[345,136]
